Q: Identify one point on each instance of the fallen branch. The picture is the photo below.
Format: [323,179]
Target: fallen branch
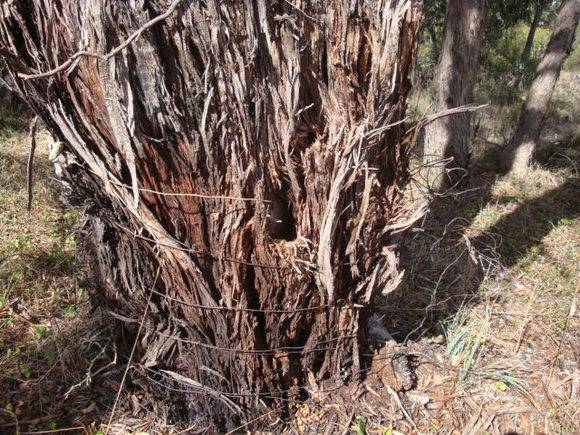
[402,408]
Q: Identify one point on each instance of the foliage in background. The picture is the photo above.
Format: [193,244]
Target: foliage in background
[573,61]
[500,63]
[507,28]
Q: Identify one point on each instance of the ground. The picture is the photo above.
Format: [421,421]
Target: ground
[488,307]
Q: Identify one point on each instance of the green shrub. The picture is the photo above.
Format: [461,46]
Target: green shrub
[573,61]
[500,63]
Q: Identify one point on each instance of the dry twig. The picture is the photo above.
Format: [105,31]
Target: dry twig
[30,164]
[132,353]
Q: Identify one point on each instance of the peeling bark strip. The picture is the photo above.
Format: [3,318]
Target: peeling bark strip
[278,101]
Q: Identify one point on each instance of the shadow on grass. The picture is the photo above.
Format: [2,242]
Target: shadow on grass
[55,379]
[446,264]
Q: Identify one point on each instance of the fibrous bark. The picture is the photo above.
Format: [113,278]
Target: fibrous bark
[523,143]
[238,167]
[448,137]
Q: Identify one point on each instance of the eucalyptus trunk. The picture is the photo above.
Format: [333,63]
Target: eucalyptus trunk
[241,174]
[520,150]
[447,139]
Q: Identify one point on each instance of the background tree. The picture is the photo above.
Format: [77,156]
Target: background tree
[434,23]
[539,7]
[524,140]
[241,164]
[501,15]
[453,87]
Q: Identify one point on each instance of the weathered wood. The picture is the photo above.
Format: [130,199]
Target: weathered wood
[236,146]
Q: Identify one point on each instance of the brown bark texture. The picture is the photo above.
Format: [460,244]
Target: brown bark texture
[527,133]
[238,169]
[453,85]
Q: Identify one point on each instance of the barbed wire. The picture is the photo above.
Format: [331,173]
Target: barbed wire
[274,394]
[197,251]
[73,60]
[257,310]
[282,351]
[194,195]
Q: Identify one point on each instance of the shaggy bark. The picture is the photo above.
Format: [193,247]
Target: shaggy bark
[453,87]
[241,151]
[523,143]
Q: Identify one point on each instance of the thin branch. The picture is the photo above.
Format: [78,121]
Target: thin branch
[571,313]
[302,11]
[402,408]
[456,110]
[110,54]
[249,422]
[60,430]
[30,165]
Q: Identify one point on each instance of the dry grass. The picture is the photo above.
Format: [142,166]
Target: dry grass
[53,349]
[493,274]
[512,339]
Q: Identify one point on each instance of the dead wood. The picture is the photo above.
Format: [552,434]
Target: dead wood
[240,148]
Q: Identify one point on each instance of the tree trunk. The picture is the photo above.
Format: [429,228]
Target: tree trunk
[523,143]
[529,42]
[239,174]
[453,87]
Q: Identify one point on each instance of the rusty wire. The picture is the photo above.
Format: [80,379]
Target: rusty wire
[257,310]
[276,352]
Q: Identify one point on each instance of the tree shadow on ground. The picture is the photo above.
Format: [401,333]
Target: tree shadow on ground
[446,264]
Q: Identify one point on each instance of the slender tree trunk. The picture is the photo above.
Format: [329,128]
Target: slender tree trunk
[239,174]
[433,37]
[529,42]
[523,143]
[453,87]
